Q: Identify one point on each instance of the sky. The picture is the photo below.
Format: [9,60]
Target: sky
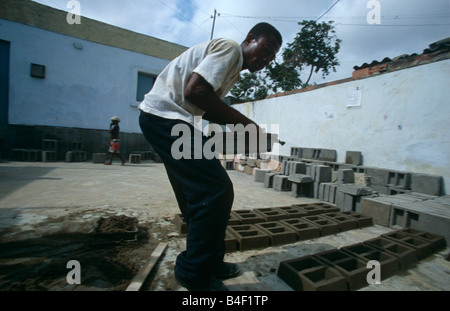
[403,26]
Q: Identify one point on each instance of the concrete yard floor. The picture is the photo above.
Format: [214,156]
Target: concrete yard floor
[49,212]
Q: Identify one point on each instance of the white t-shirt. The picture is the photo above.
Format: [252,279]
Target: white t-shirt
[218,61]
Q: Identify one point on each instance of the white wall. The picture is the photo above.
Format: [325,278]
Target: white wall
[403,122]
[82,89]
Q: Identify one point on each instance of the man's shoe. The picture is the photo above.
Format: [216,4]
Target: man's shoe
[214,285]
[227,271]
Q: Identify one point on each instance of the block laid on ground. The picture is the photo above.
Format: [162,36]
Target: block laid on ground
[407,256]
[228,164]
[378,176]
[389,264]
[279,233]
[271,214]
[233,220]
[309,274]
[281,183]
[437,241]
[326,225]
[301,185]
[346,176]
[378,209]
[345,222]
[268,180]
[134,159]
[231,243]
[180,224]
[48,156]
[398,179]
[297,168]
[423,247]
[352,268]
[353,157]
[260,174]
[292,211]
[249,237]
[99,158]
[426,183]
[316,208]
[305,230]
[363,221]
[247,216]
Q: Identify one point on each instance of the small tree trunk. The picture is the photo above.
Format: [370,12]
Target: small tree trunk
[310,74]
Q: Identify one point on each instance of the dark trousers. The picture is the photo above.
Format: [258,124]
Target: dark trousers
[204,193]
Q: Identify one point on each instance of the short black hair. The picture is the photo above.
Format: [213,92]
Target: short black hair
[264,29]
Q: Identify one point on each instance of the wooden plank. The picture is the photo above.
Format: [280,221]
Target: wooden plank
[142,275]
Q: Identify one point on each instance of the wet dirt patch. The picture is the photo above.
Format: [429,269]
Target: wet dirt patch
[108,261]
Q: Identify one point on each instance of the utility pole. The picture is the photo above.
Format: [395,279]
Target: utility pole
[214,23]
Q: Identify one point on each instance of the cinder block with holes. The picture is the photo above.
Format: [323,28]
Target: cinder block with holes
[292,211]
[309,274]
[233,220]
[345,222]
[423,247]
[353,268]
[247,216]
[250,237]
[363,221]
[389,264]
[437,241]
[231,243]
[305,230]
[407,256]
[326,225]
[278,232]
[271,214]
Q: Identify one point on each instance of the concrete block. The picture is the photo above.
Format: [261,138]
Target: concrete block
[301,190]
[99,158]
[300,178]
[355,190]
[279,233]
[423,247]
[352,268]
[228,164]
[406,255]
[326,225]
[247,216]
[271,214]
[322,173]
[49,145]
[251,162]
[134,159]
[398,179]
[378,209]
[292,211]
[260,174]
[346,176]
[353,157]
[69,156]
[380,189]
[345,222]
[281,183]
[297,168]
[309,274]
[268,180]
[48,156]
[76,146]
[426,183]
[378,176]
[249,170]
[231,244]
[328,155]
[233,219]
[305,230]
[249,237]
[437,241]
[363,221]
[389,264]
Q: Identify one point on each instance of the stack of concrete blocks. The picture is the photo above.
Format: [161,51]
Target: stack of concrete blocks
[134,158]
[227,161]
[27,155]
[76,153]
[49,149]
[348,194]
[411,210]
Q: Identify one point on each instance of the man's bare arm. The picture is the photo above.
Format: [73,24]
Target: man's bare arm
[200,93]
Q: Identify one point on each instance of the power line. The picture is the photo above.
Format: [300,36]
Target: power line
[328,10]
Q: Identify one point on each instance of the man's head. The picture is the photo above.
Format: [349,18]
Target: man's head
[260,46]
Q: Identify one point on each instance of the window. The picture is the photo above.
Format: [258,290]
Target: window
[145,83]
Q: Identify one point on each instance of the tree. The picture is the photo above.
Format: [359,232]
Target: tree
[315,46]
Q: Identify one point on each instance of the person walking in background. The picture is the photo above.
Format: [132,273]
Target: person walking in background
[114,144]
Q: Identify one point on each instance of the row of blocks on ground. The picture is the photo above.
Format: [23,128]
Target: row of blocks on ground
[347,268]
[264,227]
[49,149]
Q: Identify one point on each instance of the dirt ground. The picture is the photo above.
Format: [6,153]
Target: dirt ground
[111,218]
